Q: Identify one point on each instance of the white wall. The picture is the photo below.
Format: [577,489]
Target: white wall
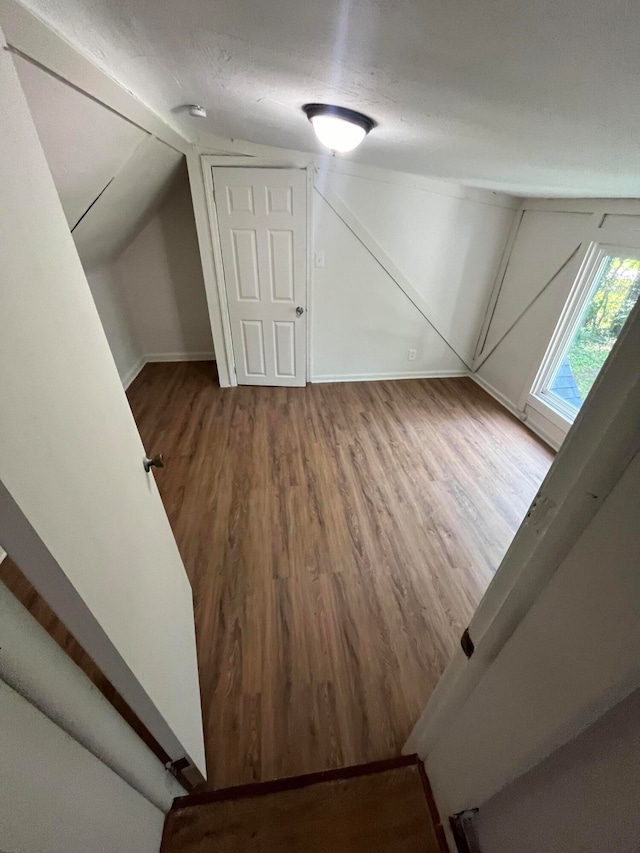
[548,235]
[582,799]
[151,297]
[161,282]
[362,324]
[116,320]
[445,244]
[409,264]
[58,797]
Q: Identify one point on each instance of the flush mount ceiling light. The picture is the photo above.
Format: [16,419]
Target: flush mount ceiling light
[338,128]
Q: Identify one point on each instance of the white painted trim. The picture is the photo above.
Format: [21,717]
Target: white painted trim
[523,416]
[541,398]
[579,252]
[132,373]
[204,230]
[387,264]
[581,291]
[31,38]
[433,186]
[278,160]
[310,268]
[497,395]
[208,163]
[232,152]
[628,206]
[539,405]
[3,554]
[497,285]
[221,285]
[544,427]
[201,179]
[210,145]
[383,377]
[180,356]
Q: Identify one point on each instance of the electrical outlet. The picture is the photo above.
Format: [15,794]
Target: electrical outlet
[319,259]
[412,355]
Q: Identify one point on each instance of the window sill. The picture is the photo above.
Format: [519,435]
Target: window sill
[559,420]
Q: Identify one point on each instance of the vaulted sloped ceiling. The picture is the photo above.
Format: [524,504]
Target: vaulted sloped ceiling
[109,173]
[527,96]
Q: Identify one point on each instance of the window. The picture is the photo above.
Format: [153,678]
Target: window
[600,301]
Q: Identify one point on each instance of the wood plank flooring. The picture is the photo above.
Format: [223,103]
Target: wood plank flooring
[338,539]
[385,812]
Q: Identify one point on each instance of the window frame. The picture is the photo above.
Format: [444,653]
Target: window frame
[541,398]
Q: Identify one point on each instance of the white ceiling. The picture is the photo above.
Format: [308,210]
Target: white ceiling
[528,96]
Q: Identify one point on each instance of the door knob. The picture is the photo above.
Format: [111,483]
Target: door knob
[299,311]
[156,461]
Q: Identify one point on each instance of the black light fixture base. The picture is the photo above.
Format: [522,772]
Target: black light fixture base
[312,110]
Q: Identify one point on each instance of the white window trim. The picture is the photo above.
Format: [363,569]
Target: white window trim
[560,413]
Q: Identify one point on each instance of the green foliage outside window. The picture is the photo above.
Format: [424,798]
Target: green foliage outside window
[615,295]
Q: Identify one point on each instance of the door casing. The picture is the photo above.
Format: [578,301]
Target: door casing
[266,321]
[208,163]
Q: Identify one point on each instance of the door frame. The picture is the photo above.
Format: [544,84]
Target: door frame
[208,163]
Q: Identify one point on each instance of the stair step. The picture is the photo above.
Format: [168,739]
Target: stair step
[385,806]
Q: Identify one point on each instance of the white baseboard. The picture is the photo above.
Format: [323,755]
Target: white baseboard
[180,356]
[3,554]
[382,377]
[497,395]
[522,416]
[131,374]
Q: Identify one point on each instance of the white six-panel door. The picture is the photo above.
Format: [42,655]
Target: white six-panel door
[262,222]
[79,513]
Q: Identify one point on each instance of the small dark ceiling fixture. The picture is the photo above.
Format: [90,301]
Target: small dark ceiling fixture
[338,128]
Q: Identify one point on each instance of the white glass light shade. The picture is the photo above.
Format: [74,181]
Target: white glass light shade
[337,133]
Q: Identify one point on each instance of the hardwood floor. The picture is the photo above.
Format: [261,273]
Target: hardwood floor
[385,811]
[338,539]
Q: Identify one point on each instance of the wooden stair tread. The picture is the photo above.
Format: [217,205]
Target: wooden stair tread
[385,811]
